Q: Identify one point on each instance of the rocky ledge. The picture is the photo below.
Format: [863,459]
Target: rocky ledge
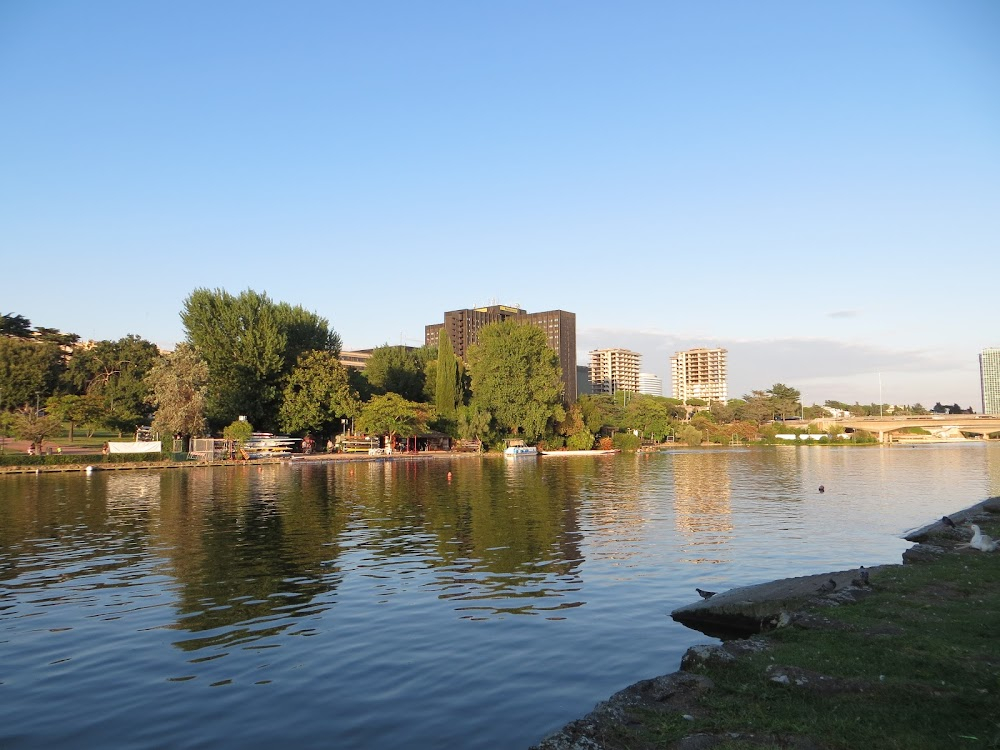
[749,612]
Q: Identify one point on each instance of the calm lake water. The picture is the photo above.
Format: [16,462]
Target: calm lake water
[380,605]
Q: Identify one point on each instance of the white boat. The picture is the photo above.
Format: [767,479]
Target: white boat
[517,448]
[267,445]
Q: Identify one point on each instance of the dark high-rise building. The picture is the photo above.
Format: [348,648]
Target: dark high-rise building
[463,327]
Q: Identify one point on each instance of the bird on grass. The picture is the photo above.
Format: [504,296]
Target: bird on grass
[981,541]
[948,522]
[863,575]
[705,594]
[822,489]
[827,587]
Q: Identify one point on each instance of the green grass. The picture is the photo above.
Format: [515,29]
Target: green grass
[919,668]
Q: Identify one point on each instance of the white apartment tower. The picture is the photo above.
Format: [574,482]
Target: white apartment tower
[989,378]
[699,373]
[613,370]
[650,384]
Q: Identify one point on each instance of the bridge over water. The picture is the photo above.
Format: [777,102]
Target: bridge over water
[983,426]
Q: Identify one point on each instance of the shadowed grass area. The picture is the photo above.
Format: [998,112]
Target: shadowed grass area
[917,667]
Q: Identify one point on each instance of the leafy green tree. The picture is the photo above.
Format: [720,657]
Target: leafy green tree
[29,424]
[115,372]
[758,407]
[68,408]
[474,423]
[15,325]
[814,412]
[626,441]
[449,383]
[178,386]
[690,435]
[785,400]
[55,336]
[239,430]
[516,377]
[318,395]
[580,441]
[305,331]
[396,369]
[250,345]
[649,414]
[29,371]
[722,413]
[592,413]
[392,415]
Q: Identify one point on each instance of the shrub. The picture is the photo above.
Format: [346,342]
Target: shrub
[580,441]
[626,441]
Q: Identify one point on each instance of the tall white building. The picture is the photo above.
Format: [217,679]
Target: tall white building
[650,384]
[699,373]
[613,370]
[989,378]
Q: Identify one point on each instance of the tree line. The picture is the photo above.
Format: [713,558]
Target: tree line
[249,360]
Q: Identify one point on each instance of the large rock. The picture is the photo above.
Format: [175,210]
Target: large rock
[941,532]
[754,609]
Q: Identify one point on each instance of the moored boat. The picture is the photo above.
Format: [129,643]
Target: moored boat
[517,449]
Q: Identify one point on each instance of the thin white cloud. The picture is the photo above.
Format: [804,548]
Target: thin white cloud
[822,369]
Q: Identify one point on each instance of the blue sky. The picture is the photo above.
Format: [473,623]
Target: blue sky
[814,186]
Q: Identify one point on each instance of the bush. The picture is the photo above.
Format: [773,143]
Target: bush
[580,441]
[82,459]
[240,431]
[626,441]
[690,435]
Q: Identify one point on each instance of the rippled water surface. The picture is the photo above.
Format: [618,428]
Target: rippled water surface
[378,605]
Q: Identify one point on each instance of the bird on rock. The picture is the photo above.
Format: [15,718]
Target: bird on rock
[947,522]
[827,587]
[822,489]
[863,575]
[705,594]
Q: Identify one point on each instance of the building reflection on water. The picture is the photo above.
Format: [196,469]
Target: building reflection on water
[702,506]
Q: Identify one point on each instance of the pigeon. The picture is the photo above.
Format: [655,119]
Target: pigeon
[947,522]
[705,594]
[827,587]
[822,489]
[863,575]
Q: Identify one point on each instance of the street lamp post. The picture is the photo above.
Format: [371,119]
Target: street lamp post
[37,408]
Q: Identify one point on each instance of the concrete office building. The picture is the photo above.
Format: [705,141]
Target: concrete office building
[989,378]
[463,326]
[583,381]
[650,384]
[699,373]
[613,370]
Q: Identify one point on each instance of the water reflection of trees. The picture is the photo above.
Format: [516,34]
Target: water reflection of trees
[495,535]
[247,546]
[57,530]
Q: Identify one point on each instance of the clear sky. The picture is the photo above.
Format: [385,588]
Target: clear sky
[814,186]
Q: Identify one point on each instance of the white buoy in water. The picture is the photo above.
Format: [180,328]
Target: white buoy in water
[89,469]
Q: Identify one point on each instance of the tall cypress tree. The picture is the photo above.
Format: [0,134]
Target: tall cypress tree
[446,394]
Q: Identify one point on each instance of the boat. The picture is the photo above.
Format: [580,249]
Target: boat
[268,445]
[517,449]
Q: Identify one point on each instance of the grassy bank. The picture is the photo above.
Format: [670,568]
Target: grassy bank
[913,664]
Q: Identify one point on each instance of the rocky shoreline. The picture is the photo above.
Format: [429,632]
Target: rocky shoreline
[748,614]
